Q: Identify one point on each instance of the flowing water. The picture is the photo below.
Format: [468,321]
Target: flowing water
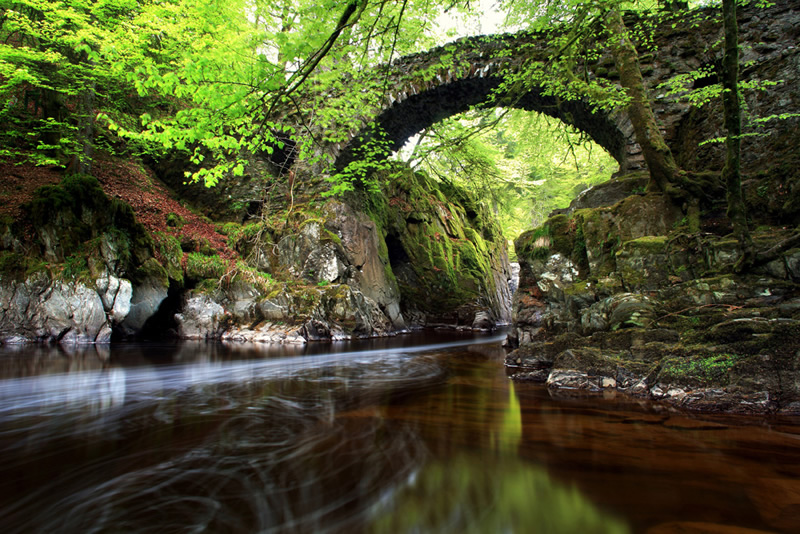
[410,434]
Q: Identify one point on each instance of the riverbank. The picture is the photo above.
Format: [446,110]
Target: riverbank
[629,293]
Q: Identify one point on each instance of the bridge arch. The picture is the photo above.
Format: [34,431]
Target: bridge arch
[409,112]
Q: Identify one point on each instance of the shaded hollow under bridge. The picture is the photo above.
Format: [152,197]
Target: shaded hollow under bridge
[424,91]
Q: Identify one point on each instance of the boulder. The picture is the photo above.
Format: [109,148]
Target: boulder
[45,310]
[145,300]
[201,317]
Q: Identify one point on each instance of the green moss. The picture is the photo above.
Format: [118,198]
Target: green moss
[242,238]
[75,267]
[535,244]
[152,270]
[175,221]
[327,235]
[15,266]
[645,245]
[73,194]
[578,288]
[705,370]
[200,266]
[207,286]
[562,233]
[205,248]
[77,212]
[263,282]
[170,249]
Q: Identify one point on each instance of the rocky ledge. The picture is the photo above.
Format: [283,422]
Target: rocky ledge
[639,297]
[79,267]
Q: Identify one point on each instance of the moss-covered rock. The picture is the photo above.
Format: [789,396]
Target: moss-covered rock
[445,250]
[68,215]
[643,301]
[200,267]
[642,263]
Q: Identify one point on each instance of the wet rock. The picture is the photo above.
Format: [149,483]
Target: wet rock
[45,310]
[200,317]
[483,321]
[266,333]
[276,309]
[116,294]
[349,313]
[536,375]
[145,300]
[570,379]
[625,310]
[361,245]
[312,254]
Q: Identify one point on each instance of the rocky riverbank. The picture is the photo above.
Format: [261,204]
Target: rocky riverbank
[630,294]
[78,266]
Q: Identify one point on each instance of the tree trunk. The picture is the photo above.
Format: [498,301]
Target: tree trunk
[737,212]
[657,154]
[83,158]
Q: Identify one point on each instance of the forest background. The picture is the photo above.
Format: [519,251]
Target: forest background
[213,79]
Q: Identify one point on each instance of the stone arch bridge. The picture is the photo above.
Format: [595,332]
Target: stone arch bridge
[425,91]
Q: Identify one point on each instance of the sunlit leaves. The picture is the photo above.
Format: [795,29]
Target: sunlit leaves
[525,164]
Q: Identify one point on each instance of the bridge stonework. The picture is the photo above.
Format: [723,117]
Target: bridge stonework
[769,51]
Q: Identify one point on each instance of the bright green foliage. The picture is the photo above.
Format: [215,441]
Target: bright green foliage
[214,78]
[527,164]
[51,71]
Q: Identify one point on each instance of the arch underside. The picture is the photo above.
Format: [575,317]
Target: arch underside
[417,112]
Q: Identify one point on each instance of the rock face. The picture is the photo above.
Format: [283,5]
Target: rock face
[445,251]
[46,310]
[240,313]
[371,272]
[96,245]
[367,266]
[328,270]
[627,298]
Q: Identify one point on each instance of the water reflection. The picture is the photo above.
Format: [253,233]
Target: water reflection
[287,443]
[372,438]
[461,494]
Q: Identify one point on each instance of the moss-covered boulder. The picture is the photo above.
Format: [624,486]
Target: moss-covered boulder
[76,216]
[445,250]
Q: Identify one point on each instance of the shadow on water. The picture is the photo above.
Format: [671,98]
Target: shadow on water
[410,434]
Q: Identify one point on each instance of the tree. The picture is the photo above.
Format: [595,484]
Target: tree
[660,162]
[50,73]
[525,164]
[737,211]
[587,27]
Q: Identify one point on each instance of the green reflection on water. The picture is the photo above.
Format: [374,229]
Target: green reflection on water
[470,493]
[492,491]
[510,434]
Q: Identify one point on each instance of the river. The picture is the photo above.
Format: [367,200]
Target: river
[413,434]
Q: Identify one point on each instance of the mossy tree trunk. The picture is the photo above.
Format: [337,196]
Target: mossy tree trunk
[657,155]
[737,212]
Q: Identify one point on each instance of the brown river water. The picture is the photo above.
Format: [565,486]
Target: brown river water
[413,434]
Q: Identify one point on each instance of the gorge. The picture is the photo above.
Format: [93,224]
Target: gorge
[229,303]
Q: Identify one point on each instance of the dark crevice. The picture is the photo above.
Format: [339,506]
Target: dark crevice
[397,253]
[162,325]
